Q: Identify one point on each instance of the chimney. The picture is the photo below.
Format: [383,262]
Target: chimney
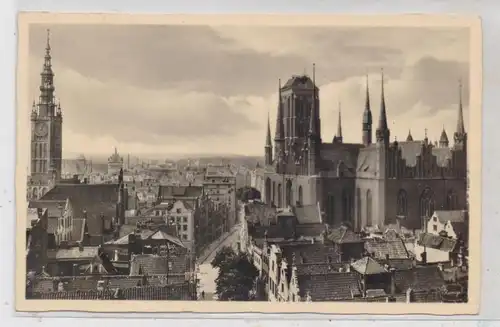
[80,246]
[116,256]
[75,269]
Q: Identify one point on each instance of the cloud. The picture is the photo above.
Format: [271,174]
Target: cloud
[130,114]
[162,89]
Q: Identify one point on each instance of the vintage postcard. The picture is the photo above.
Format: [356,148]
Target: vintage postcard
[249,163]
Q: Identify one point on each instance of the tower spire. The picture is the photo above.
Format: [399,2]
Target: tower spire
[409,138]
[278,136]
[338,137]
[46,102]
[460,120]
[382,129]
[268,147]
[443,140]
[460,134]
[367,118]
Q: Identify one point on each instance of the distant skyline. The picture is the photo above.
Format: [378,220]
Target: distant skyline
[198,89]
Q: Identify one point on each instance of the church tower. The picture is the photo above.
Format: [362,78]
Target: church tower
[46,129]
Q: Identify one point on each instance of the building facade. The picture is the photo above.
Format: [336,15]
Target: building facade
[374,182]
[46,134]
[219,185]
[115,163]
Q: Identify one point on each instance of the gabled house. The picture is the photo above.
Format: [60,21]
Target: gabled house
[431,248]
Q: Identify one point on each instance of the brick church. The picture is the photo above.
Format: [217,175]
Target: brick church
[374,182]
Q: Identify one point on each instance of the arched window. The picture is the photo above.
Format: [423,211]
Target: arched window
[301,196]
[426,205]
[346,205]
[274,193]
[451,200]
[358,209]
[289,193]
[402,205]
[268,191]
[330,209]
[34,193]
[369,218]
[280,197]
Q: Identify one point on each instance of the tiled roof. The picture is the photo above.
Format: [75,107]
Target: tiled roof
[419,278]
[454,216]
[368,266]
[276,232]
[400,264]
[340,158]
[169,292]
[329,287]
[55,207]
[94,198]
[310,253]
[380,248]
[83,283]
[317,268]
[437,242]
[159,233]
[299,81]
[151,264]
[308,214]
[170,191]
[342,234]
[74,253]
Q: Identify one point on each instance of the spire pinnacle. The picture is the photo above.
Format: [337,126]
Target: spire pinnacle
[460,121]
[382,132]
[409,138]
[339,127]
[268,135]
[279,136]
[47,47]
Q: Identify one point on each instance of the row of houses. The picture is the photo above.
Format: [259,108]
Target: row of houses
[301,259]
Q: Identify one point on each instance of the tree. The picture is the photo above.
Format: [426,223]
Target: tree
[247,193]
[237,275]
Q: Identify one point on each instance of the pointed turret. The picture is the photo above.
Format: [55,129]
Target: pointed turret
[338,137]
[367,118]
[47,89]
[409,138]
[268,147]
[314,134]
[443,140]
[382,132]
[279,136]
[460,134]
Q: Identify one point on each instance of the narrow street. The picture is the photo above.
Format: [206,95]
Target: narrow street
[207,274]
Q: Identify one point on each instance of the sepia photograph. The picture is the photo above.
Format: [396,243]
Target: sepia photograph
[326,163]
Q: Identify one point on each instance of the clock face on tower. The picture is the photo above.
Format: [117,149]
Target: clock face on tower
[41,129]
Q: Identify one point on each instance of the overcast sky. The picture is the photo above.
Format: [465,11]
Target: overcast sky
[199,89]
